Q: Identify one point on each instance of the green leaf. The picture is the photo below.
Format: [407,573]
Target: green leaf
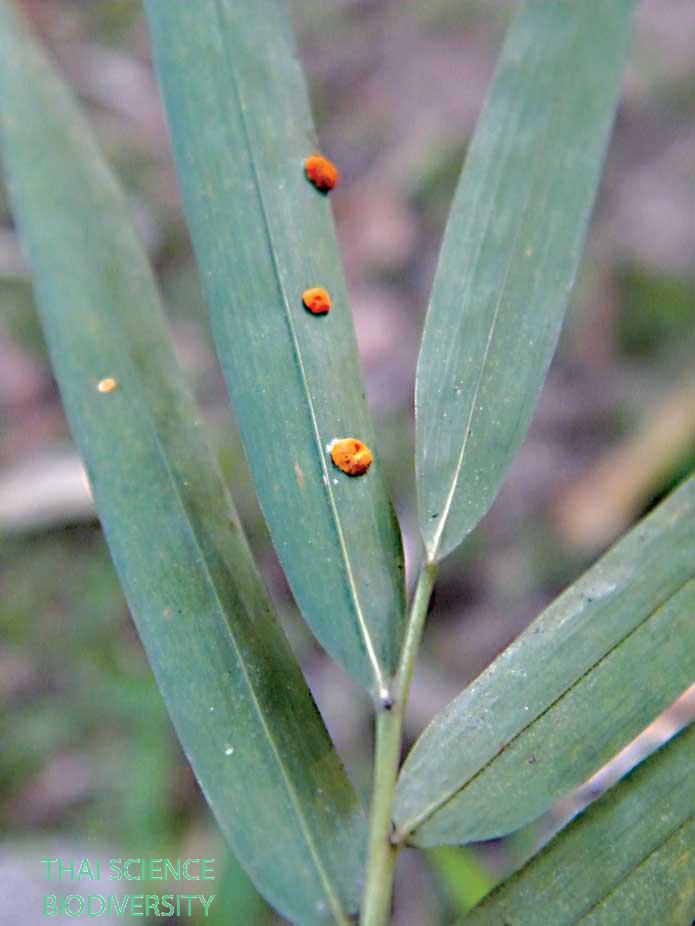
[630,858]
[241,128]
[234,691]
[510,254]
[583,680]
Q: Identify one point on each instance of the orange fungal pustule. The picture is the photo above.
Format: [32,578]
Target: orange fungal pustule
[350,455]
[321,172]
[317,300]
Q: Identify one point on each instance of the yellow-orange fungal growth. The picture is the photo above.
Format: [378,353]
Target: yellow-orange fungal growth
[351,455]
[107,385]
[317,300]
[321,172]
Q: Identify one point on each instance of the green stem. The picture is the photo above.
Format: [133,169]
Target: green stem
[413,633]
[381,853]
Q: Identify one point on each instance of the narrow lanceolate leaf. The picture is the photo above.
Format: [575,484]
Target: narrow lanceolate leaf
[630,858]
[584,679]
[241,128]
[510,254]
[236,696]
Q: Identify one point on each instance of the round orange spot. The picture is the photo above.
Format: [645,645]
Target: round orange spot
[351,456]
[322,172]
[317,300]
[107,385]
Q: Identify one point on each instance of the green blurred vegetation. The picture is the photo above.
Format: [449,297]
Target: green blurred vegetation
[656,314]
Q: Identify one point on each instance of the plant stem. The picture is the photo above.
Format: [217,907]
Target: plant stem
[381,853]
[413,632]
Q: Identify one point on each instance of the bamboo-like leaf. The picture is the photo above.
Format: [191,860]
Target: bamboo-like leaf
[630,858]
[241,128]
[235,694]
[582,681]
[510,254]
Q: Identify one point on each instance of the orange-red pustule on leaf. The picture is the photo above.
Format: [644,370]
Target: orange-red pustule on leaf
[321,172]
[351,456]
[317,300]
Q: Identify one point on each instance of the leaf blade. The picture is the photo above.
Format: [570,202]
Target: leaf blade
[510,254]
[628,858]
[527,730]
[241,126]
[234,691]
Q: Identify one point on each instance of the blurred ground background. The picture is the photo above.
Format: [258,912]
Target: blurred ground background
[89,764]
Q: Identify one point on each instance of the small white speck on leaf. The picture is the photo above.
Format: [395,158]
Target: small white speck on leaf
[108,384]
